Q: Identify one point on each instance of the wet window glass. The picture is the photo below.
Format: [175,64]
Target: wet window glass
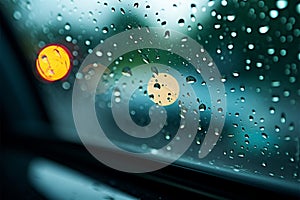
[221,77]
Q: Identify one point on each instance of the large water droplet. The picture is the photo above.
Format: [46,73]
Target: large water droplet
[230,18]
[202,107]
[281,4]
[263,29]
[181,22]
[273,13]
[190,79]
[126,71]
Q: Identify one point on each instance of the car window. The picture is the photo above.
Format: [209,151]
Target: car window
[241,88]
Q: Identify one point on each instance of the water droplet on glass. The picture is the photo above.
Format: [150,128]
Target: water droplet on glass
[202,107]
[275,84]
[181,22]
[291,127]
[283,118]
[263,29]
[271,51]
[104,30]
[264,135]
[145,59]
[87,42]
[126,71]
[281,4]
[67,26]
[275,99]
[190,79]
[99,53]
[122,11]
[230,18]
[154,70]
[59,17]
[167,34]
[184,39]
[273,14]
[117,92]
[235,74]
[66,85]
[272,110]
[136,5]
[251,46]
[157,86]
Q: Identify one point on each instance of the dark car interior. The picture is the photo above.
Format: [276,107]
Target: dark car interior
[252,46]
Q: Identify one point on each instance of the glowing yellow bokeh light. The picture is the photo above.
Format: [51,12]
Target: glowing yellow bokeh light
[163,89]
[53,62]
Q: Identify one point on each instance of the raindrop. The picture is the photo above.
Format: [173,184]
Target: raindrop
[145,59]
[283,118]
[167,137]
[126,71]
[272,110]
[181,22]
[122,11]
[67,26]
[79,75]
[66,85]
[217,26]
[202,107]
[99,53]
[104,30]
[68,38]
[193,7]
[281,4]
[235,74]
[271,51]
[199,26]
[224,3]
[291,127]
[277,129]
[273,14]
[287,138]
[264,135]
[190,79]
[59,17]
[193,18]
[154,70]
[275,99]
[286,93]
[250,46]
[184,39]
[17,15]
[275,84]
[167,34]
[118,99]
[87,42]
[241,155]
[136,5]
[233,34]
[117,92]
[230,18]
[263,29]
[156,86]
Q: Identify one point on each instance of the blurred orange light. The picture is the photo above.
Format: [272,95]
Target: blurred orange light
[53,62]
